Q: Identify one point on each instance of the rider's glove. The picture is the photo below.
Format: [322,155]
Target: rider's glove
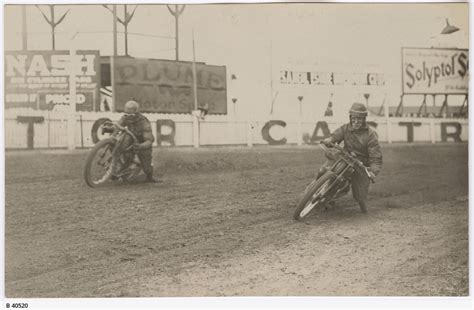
[136,147]
[371,176]
[327,141]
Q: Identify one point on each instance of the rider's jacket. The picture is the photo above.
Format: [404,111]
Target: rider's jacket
[363,142]
[140,126]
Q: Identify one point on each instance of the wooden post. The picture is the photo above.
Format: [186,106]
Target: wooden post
[249,133]
[71,119]
[432,131]
[387,119]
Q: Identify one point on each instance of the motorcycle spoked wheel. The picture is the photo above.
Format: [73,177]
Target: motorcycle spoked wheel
[99,163]
[314,196]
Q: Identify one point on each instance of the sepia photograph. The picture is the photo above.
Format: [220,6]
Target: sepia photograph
[279,149]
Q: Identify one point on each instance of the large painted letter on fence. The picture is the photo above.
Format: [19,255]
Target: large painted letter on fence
[266,132]
[456,135]
[30,131]
[160,137]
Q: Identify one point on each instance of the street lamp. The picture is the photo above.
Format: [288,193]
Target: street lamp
[448,28]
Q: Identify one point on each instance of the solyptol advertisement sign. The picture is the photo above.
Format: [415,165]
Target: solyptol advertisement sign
[435,71]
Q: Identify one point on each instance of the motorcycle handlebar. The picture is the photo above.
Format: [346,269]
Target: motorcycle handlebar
[345,152]
[123,128]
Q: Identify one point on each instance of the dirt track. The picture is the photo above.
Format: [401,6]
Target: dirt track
[221,225]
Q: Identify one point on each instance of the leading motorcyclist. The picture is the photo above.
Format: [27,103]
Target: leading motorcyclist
[361,140]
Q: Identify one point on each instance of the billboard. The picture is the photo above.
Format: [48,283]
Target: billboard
[331,78]
[167,86]
[40,79]
[435,71]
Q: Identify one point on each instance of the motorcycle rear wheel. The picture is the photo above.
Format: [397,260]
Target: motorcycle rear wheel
[99,163]
[314,196]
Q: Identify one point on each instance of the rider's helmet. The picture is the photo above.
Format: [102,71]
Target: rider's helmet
[130,110]
[131,106]
[357,115]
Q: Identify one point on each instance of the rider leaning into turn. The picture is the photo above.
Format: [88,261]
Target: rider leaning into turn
[363,141]
[141,128]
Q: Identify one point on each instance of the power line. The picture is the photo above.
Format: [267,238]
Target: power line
[101,32]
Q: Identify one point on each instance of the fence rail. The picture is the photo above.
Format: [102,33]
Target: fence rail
[43,129]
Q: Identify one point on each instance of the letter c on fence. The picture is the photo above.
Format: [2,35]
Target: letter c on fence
[96,127]
[266,132]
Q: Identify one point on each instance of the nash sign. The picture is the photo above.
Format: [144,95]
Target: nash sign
[435,71]
[40,79]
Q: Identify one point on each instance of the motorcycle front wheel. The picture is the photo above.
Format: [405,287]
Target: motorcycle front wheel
[314,196]
[99,163]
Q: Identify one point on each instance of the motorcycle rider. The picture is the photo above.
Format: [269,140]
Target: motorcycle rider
[141,128]
[361,140]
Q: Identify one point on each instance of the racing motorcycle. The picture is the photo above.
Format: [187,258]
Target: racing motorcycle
[113,158]
[333,183]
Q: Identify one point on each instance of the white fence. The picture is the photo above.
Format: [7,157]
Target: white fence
[43,129]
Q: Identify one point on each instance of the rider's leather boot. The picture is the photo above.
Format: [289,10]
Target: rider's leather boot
[363,206]
[151,179]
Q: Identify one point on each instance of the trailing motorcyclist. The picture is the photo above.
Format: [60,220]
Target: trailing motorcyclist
[361,140]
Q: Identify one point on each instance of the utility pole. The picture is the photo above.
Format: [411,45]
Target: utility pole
[176,13]
[52,22]
[24,31]
[114,13]
[127,18]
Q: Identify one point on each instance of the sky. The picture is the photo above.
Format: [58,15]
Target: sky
[257,41]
